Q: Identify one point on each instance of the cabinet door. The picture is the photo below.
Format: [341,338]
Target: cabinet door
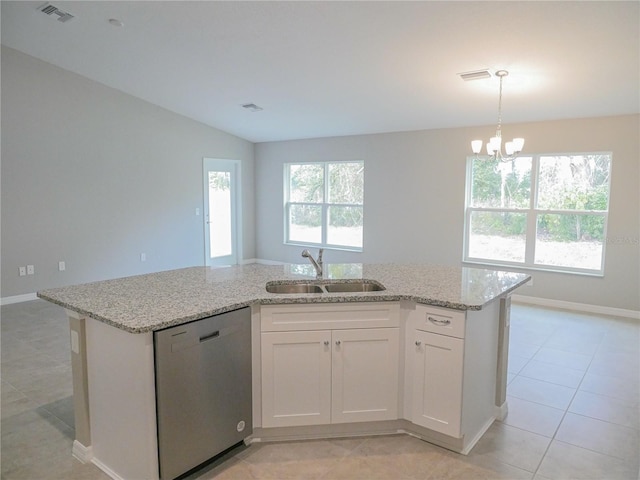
[437,387]
[296,378]
[365,375]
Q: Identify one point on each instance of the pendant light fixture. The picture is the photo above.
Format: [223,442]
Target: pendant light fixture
[494,145]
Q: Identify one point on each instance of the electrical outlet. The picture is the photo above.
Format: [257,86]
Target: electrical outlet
[22,271]
[143,257]
[31,270]
[61,266]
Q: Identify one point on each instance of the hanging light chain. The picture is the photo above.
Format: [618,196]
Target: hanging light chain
[501,74]
[494,146]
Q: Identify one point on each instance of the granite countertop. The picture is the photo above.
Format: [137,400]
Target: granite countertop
[154,301]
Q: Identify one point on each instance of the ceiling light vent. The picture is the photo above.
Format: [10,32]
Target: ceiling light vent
[475,75]
[53,10]
[252,107]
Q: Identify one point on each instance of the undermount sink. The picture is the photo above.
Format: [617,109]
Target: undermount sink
[321,287]
[294,288]
[353,287]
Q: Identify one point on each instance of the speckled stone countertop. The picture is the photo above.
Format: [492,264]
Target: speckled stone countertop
[146,303]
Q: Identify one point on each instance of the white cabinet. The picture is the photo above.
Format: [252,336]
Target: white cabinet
[337,367]
[296,378]
[438,364]
[336,375]
[437,384]
[364,375]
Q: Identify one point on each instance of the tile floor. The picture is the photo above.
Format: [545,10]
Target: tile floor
[574,401]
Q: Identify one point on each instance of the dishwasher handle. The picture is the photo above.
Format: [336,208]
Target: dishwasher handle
[221,332]
[215,334]
[193,339]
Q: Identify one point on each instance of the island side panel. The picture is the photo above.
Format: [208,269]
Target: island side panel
[82,442]
[480,360]
[503,355]
[120,368]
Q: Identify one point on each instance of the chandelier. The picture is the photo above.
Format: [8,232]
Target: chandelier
[494,145]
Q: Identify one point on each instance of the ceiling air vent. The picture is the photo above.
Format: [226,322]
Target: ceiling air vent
[475,75]
[252,107]
[53,10]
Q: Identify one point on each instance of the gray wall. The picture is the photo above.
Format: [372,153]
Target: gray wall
[414,199]
[95,177]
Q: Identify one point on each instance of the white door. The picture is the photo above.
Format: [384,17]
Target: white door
[296,378]
[365,375]
[437,394]
[221,211]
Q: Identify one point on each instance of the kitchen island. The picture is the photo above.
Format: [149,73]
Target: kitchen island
[453,319]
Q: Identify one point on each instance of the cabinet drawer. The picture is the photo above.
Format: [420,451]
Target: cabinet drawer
[329,316]
[440,320]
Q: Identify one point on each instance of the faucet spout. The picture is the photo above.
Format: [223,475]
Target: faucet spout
[316,264]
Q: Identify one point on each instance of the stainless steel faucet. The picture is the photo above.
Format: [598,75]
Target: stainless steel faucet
[316,264]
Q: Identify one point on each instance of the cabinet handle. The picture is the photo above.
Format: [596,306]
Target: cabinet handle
[338,342]
[326,343]
[418,343]
[437,321]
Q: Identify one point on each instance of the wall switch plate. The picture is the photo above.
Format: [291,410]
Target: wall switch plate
[61,266]
[197,210]
[31,270]
[22,271]
[143,257]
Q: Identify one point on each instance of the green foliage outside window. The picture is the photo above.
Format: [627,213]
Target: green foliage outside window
[345,186]
[576,183]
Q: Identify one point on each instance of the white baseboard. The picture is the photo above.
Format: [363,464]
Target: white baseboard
[501,411]
[262,261]
[472,443]
[578,307]
[27,297]
[82,453]
[106,469]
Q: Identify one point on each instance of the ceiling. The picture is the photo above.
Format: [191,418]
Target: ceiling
[341,68]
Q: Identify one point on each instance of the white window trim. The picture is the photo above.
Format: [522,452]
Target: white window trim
[532,213]
[324,205]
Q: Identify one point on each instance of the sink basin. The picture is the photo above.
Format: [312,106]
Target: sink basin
[353,287]
[294,288]
[321,287]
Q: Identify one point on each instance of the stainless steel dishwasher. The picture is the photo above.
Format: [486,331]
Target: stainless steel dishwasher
[203,390]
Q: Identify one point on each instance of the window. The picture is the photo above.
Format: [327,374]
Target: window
[324,204]
[543,211]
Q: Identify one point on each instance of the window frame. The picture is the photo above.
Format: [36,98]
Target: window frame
[532,213]
[325,205]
